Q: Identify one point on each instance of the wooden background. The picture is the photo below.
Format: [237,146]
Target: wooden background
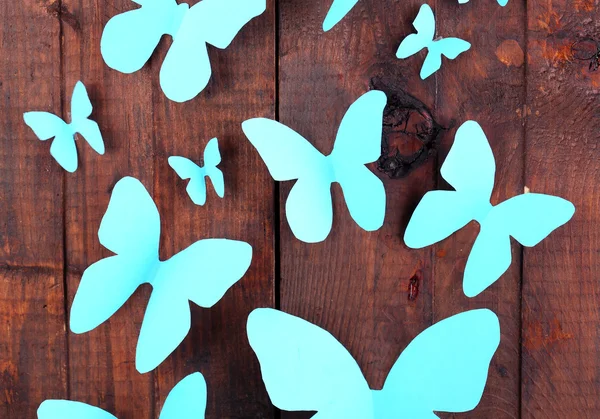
[538,106]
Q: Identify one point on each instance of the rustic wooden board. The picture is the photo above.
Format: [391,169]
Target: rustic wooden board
[561,357]
[33,356]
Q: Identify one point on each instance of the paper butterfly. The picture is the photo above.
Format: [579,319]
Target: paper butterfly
[339,9]
[187,169]
[470,169]
[129,39]
[305,368]
[500,2]
[289,156]
[46,125]
[413,43]
[187,400]
[202,273]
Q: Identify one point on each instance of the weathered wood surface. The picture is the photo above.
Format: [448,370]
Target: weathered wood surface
[538,106]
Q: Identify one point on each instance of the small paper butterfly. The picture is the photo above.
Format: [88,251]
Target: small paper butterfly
[187,400]
[46,125]
[413,43]
[187,169]
[201,273]
[500,2]
[129,39]
[305,368]
[339,9]
[470,169]
[289,156]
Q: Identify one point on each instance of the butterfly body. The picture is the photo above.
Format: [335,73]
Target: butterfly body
[289,156]
[424,23]
[46,126]
[305,368]
[130,38]
[470,169]
[201,273]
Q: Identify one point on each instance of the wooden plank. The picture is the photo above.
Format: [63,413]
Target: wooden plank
[102,362]
[561,357]
[485,84]
[355,284]
[242,87]
[33,355]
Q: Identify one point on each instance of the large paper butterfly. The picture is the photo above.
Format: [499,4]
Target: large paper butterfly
[187,400]
[424,23]
[129,39]
[305,368]
[337,11]
[46,125]
[187,169]
[202,273]
[470,169]
[289,156]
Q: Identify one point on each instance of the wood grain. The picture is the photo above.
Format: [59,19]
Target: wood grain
[485,84]
[355,284]
[561,356]
[33,356]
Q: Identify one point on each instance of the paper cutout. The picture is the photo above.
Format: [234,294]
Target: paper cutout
[305,368]
[46,125]
[130,38]
[424,23]
[202,273]
[339,9]
[187,169]
[470,169]
[187,400]
[500,2]
[289,156]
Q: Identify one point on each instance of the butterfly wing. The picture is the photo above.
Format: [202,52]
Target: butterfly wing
[201,273]
[337,11]
[444,368]
[130,38]
[45,125]
[81,107]
[450,47]
[305,368]
[187,169]
[212,157]
[91,132]
[187,400]
[66,409]
[424,23]
[359,142]
[64,151]
[289,156]
[130,228]
[502,2]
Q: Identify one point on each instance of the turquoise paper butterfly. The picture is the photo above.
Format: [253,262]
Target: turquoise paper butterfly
[46,125]
[201,273]
[305,368]
[470,169]
[425,25]
[187,169]
[339,9]
[289,156]
[129,39]
[187,400]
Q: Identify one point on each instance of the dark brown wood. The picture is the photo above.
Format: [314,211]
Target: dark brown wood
[33,355]
[356,284]
[485,84]
[561,356]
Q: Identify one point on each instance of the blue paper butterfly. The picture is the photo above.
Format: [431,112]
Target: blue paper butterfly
[305,368]
[129,39]
[187,169]
[187,400]
[425,26]
[289,156]
[202,273]
[339,9]
[46,125]
[470,169]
